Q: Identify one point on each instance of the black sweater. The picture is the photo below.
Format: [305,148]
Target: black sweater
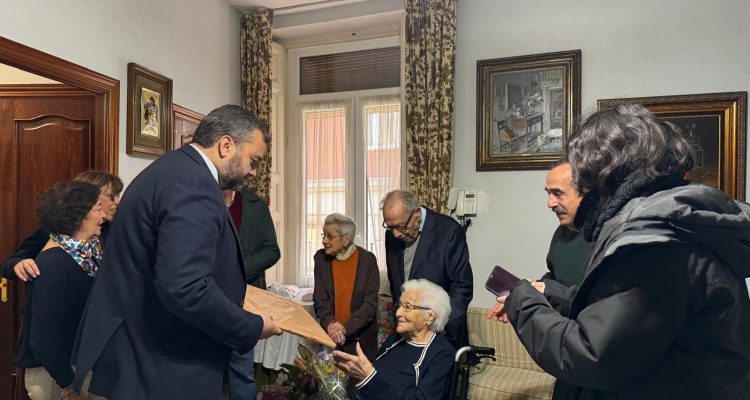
[54,304]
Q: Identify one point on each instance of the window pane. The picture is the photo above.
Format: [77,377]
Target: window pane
[325,173]
[382,123]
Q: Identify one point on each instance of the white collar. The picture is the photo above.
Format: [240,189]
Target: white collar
[422,218]
[210,164]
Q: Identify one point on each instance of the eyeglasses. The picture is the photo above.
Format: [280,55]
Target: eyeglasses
[110,196]
[323,235]
[400,227]
[409,306]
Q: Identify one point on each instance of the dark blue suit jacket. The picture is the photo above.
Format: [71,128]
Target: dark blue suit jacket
[442,258]
[165,311]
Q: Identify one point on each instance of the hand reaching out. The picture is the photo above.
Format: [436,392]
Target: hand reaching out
[497,313]
[357,367]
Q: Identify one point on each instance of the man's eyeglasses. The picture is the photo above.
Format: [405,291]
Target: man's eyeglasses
[400,227]
[409,306]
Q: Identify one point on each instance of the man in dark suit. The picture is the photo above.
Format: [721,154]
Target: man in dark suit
[420,243]
[165,312]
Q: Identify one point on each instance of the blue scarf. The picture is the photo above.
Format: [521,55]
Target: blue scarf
[87,253]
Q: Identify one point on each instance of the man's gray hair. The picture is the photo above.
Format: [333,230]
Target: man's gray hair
[615,142]
[233,121]
[433,297]
[409,201]
[344,225]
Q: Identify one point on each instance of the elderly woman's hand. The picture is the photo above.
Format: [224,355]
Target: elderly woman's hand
[357,367]
[337,332]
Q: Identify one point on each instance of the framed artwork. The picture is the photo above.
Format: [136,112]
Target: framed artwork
[149,127]
[714,125]
[185,122]
[526,108]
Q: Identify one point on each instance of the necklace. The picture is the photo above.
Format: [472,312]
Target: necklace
[231,201]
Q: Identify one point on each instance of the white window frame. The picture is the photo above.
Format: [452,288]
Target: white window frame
[296,203]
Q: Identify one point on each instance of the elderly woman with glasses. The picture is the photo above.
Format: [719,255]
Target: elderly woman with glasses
[346,287]
[416,362]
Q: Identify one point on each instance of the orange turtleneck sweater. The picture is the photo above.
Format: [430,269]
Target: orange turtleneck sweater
[344,273]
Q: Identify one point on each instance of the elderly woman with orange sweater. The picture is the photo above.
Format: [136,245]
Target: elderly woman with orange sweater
[346,287]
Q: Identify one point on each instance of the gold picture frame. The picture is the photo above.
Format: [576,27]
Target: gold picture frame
[149,125]
[715,126]
[526,109]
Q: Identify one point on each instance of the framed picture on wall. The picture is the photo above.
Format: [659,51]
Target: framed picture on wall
[149,126]
[526,108]
[714,124]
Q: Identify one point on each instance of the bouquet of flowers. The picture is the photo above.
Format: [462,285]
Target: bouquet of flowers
[275,392]
[314,376]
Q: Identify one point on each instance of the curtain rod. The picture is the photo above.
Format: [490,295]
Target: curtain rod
[312,3]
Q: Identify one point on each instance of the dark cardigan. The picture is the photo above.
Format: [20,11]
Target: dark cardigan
[362,324]
[54,304]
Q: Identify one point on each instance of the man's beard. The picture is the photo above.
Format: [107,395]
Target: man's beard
[232,178]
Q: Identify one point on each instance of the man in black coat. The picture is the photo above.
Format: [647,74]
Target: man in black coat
[165,312]
[420,243]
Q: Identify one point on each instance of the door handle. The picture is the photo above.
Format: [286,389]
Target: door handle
[4,290]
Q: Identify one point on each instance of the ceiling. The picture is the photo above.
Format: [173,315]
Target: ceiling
[301,20]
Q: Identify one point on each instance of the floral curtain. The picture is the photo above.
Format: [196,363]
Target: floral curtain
[430,38]
[255,42]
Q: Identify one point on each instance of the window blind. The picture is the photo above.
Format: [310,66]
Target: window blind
[356,70]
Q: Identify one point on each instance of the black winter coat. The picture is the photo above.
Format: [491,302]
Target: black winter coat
[663,310]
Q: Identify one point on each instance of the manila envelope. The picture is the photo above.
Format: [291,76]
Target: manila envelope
[288,315]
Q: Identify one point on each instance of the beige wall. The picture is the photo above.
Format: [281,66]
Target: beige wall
[193,42]
[10,75]
[629,48]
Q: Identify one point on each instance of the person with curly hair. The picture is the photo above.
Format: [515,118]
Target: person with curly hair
[21,263]
[55,300]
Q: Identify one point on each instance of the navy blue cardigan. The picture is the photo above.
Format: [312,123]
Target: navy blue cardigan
[408,371]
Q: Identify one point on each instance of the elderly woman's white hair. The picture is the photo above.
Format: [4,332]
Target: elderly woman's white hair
[344,225]
[433,297]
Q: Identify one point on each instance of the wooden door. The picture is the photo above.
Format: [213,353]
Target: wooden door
[46,135]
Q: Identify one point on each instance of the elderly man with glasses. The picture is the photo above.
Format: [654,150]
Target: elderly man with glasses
[420,243]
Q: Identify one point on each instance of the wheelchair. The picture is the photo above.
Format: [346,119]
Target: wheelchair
[466,358]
